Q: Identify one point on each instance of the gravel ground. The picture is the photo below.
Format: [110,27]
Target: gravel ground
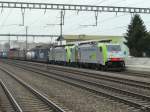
[73,98]
[144,79]
[26,99]
[120,86]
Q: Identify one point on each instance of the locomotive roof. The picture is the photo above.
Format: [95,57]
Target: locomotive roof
[95,42]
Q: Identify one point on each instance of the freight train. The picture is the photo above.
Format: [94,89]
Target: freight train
[92,54]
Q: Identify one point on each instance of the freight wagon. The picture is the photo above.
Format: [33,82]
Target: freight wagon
[39,53]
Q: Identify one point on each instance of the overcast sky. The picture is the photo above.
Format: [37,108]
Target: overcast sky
[108,23]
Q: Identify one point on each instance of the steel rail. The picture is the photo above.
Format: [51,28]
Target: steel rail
[10,97]
[130,82]
[92,83]
[135,83]
[125,100]
[42,97]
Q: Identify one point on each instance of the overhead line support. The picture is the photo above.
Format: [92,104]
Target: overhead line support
[29,35]
[28,5]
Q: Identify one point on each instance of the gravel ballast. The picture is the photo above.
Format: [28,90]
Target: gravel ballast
[70,97]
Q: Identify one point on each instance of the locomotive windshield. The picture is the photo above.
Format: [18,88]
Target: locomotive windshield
[113,47]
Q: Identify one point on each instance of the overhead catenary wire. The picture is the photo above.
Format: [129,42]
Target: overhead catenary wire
[121,27]
[96,17]
[108,19]
[9,13]
[105,1]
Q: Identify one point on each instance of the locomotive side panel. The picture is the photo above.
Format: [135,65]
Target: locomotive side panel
[60,54]
[73,54]
[87,54]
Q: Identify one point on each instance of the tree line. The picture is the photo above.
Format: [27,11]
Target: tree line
[138,38]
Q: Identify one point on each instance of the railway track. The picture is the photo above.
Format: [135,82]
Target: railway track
[29,99]
[135,73]
[127,72]
[139,101]
[102,77]
[7,101]
[118,80]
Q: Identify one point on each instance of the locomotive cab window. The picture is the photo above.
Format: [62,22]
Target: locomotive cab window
[113,47]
